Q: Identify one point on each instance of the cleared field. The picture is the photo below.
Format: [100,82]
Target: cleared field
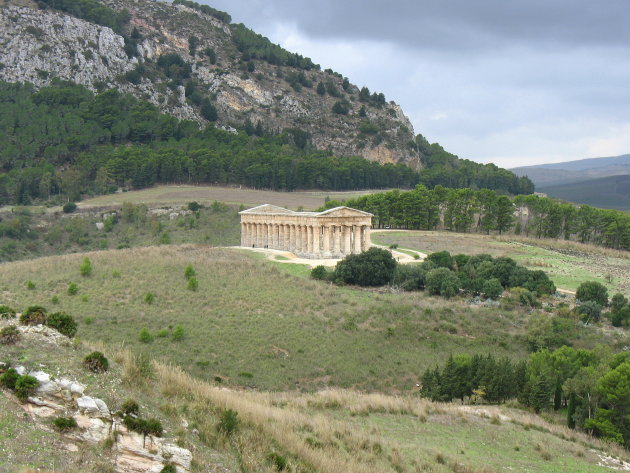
[252,323]
[567,263]
[232,195]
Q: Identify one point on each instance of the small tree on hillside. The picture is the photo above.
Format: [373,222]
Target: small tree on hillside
[592,291]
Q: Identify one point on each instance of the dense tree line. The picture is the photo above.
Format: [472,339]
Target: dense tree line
[446,169]
[592,385]
[466,210]
[65,140]
[207,9]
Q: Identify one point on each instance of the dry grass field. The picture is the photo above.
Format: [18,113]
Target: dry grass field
[169,195]
[329,431]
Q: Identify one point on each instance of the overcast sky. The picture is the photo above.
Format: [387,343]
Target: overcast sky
[513,82]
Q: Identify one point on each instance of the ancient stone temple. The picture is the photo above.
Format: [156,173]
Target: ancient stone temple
[332,233]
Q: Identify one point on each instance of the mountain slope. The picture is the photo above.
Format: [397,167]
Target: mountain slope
[544,175]
[612,192]
[180,59]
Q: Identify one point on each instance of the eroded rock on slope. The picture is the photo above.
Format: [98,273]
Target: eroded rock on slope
[38,45]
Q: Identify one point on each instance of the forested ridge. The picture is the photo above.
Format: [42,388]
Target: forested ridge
[65,141]
[485,211]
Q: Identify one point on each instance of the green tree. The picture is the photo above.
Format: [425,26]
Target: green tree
[374,267]
[592,291]
[86,267]
[321,88]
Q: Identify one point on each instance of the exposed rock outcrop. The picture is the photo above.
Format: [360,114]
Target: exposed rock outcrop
[39,45]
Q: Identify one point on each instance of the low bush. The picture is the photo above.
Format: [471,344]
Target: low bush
[34,315]
[190,272]
[73,289]
[9,335]
[492,288]
[130,407]
[319,272]
[169,468]
[442,281]
[6,312]
[69,207]
[63,323]
[441,259]
[30,285]
[278,461]
[25,386]
[145,336]
[96,362]
[9,378]
[194,206]
[228,422]
[144,426]
[64,424]
[178,333]
[409,277]
[86,267]
[148,298]
[590,311]
[193,284]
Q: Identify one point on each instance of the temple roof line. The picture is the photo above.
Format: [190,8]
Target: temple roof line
[268,209]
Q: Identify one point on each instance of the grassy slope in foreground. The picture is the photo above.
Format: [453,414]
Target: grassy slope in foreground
[329,432]
[254,324]
[567,263]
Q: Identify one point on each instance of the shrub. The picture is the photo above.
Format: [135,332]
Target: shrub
[69,207]
[190,272]
[442,281]
[492,288]
[73,289]
[194,206]
[374,267]
[54,300]
[441,259]
[25,386]
[228,422]
[616,302]
[409,277]
[319,272]
[30,285]
[193,284]
[34,315]
[144,426]
[162,333]
[178,333]
[130,407]
[590,311]
[278,461]
[9,378]
[86,267]
[620,317]
[96,362]
[169,468]
[592,291]
[145,336]
[6,312]
[148,298]
[63,323]
[341,107]
[461,260]
[64,424]
[9,335]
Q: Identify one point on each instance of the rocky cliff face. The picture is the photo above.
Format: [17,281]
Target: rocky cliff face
[39,45]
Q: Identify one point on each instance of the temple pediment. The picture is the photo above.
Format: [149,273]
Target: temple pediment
[344,212]
[267,209]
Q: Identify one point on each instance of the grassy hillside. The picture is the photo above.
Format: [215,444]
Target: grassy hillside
[252,323]
[608,192]
[332,431]
[567,263]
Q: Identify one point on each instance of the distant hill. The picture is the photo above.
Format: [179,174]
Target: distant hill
[612,192]
[547,175]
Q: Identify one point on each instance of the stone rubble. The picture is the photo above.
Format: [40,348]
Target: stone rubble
[96,423]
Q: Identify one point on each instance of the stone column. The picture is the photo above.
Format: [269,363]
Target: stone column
[298,238]
[258,235]
[285,237]
[274,236]
[317,229]
[309,238]
[291,238]
[336,249]
[326,245]
[243,232]
[266,234]
[366,238]
[356,242]
[347,240]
